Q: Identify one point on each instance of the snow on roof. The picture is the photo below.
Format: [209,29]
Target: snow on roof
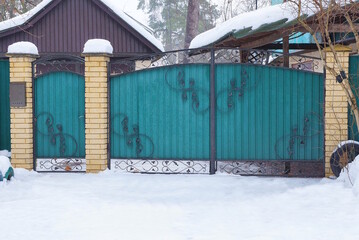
[21,19]
[248,23]
[114,5]
[98,46]
[22,48]
[116,8]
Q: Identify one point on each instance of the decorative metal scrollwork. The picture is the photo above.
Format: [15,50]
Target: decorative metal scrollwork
[55,165]
[225,99]
[144,146]
[59,63]
[66,140]
[203,56]
[243,167]
[312,127]
[161,166]
[188,87]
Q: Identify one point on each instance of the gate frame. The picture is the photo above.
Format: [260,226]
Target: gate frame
[289,168]
[52,60]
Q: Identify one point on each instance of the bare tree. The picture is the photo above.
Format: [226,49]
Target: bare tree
[328,15]
[231,8]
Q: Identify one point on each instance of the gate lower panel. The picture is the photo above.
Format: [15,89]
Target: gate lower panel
[160,166]
[273,168]
[60,165]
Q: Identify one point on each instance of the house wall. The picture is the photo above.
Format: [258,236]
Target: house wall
[70,23]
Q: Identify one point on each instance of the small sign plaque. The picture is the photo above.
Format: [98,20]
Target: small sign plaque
[18,94]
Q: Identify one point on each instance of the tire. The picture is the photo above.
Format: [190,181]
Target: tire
[343,155]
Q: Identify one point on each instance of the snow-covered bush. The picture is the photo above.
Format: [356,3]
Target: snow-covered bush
[6,170]
[350,175]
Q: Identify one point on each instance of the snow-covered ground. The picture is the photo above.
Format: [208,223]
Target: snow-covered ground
[134,206]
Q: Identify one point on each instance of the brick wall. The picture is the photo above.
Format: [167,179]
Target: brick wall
[336,106]
[96,104]
[21,118]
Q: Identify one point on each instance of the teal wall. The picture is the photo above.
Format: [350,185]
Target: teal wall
[4,105]
[60,114]
[274,2]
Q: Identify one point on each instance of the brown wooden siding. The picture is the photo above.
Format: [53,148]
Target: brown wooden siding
[66,25]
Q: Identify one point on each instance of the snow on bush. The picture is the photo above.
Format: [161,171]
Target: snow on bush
[350,175]
[4,164]
[5,153]
[23,48]
[98,46]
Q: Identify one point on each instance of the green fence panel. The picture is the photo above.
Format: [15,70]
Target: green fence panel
[268,113]
[60,115]
[161,113]
[4,105]
[354,81]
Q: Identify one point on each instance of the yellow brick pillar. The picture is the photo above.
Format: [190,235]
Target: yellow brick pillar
[21,118]
[336,105]
[96,108]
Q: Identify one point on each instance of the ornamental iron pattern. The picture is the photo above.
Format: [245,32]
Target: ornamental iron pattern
[58,63]
[160,166]
[187,87]
[221,56]
[134,140]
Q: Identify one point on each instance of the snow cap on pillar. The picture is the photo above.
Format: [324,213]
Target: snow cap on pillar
[22,48]
[98,46]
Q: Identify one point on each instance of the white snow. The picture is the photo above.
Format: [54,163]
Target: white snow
[114,5]
[22,48]
[350,175]
[253,19]
[98,46]
[5,153]
[136,206]
[4,164]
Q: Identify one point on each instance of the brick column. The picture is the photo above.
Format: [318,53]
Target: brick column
[21,119]
[96,105]
[336,106]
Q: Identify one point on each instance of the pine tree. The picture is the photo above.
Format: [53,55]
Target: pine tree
[168,19]
[12,8]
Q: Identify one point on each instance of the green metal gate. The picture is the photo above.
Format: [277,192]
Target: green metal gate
[4,105]
[59,103]
[264,116]
[353,133]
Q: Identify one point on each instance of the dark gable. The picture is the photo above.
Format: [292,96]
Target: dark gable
[65,25]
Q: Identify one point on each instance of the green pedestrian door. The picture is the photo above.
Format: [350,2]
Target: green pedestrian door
[60,122]
[4,105]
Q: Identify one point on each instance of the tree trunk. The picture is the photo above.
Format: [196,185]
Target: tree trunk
[192,21]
